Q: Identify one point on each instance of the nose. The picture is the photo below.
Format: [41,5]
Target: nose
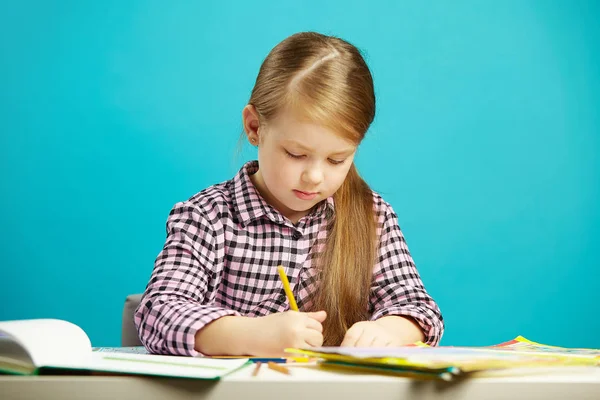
[313,175]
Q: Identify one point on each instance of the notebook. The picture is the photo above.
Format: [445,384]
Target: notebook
[53,346]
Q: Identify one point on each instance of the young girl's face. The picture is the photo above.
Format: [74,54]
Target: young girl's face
[300,164]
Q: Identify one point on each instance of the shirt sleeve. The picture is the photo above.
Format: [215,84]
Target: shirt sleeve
[397,287]
[175,304]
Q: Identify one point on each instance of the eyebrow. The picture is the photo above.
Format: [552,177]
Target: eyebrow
[337,153]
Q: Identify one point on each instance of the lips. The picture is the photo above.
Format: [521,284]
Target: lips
[305,195]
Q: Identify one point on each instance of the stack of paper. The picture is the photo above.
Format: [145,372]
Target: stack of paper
[445,362]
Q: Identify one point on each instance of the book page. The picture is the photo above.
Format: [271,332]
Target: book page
[13,358]
[127,349]
[47,341]
[155,365]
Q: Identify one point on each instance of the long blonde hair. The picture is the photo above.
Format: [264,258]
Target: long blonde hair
[325,80]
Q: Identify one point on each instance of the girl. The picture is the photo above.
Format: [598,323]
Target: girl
[215,288]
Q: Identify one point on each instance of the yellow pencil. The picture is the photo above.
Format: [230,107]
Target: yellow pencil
[278,368]
[286,287]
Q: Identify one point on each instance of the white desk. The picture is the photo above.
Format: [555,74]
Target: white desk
[304,383]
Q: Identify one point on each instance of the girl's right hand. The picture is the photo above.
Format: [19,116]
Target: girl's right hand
[275,332]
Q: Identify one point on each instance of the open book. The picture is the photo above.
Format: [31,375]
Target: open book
[52,346]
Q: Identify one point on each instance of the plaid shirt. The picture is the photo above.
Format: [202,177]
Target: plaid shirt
[221,255]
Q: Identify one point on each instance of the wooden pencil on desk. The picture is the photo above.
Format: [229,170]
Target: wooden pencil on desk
[278,367]
[256,369]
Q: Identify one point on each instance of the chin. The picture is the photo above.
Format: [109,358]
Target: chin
[300,209]
[294,206]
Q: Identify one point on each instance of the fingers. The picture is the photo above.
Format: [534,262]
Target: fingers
[318,315]
[314,338]
[351,337]
[365,340]
[302,329]
[314,324]
[365,334]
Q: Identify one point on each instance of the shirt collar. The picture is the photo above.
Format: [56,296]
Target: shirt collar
[250,205]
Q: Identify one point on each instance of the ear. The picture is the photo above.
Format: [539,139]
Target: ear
[251,124]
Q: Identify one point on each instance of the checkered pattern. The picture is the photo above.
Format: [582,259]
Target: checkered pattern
[221,255]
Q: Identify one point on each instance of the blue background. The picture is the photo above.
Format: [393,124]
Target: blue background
[485,143]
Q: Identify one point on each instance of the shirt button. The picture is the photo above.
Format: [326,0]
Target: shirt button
[282,298]
[296,235]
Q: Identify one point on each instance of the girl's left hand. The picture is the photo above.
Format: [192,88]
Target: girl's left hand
[369,334]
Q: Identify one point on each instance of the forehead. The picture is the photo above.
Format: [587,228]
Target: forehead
[286,127]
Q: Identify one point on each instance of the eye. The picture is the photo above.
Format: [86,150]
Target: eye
[294,156]
[335,162]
